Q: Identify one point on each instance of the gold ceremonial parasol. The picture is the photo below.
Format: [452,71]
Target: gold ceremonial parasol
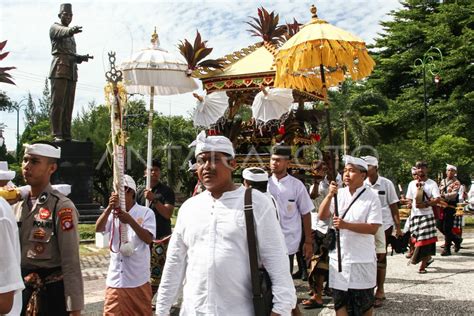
[321,55]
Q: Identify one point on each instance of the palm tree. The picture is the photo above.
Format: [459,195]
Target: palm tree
[291,29]
[353,107]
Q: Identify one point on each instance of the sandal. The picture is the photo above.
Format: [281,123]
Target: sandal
[422,271]
[311,303]
[378,302]
[429,262]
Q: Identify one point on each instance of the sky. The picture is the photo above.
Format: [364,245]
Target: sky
[126,26]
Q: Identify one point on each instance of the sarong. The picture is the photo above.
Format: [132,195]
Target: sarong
[457,227]
[423,231]
[158,259]
[128,301]
[320,260]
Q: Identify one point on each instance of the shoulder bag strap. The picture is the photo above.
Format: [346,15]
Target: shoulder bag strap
[252,244]
[353,201]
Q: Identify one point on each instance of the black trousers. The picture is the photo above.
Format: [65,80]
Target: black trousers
[51,297]
[62,103]
[448,223]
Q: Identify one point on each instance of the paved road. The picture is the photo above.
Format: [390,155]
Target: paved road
[445,290]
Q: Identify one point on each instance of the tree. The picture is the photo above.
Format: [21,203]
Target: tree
[5,102]
[44,107]
[419,25]
[30,111]
[354,112]
[170,140]
[93,124]
[37,124]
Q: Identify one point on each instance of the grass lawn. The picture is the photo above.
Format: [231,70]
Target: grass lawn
[91,250]
[86,231]
[469,220]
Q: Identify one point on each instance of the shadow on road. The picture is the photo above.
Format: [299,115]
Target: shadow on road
[418,304]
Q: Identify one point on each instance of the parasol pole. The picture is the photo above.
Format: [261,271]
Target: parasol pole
[114,77]
[150,140]
[332,162]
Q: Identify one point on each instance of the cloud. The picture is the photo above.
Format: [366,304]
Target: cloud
[126,26]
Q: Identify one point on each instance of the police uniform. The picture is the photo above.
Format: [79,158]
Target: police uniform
[50,247]
[49,241]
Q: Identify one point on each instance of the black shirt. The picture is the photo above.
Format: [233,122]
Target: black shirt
[165,195]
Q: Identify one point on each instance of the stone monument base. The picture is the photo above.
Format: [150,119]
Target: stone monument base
[76,168]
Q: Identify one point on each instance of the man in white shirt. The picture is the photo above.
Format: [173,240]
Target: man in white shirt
[257,178]
[293,201]
[11,282]
[423,193]
[358,221]
[128,289]
[208,248]
[385,190]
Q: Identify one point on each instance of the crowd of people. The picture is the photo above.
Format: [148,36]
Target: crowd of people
[338,229]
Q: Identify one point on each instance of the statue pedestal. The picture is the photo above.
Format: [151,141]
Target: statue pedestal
[76,168]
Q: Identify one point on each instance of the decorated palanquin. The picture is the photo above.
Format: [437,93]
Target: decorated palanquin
[242,76]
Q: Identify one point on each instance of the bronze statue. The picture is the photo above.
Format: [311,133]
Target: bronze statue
[63,73]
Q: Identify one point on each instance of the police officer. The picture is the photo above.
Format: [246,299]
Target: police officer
[49,239]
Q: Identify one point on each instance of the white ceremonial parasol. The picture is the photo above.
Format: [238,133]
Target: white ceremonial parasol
[210,108]
[271,104]
[155,71]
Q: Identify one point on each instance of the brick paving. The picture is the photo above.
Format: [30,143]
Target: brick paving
[94,272]
[94,267]
[446,288]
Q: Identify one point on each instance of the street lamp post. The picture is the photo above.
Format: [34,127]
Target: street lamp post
[17,107]
[428,63]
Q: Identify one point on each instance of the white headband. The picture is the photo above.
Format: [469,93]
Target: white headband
[255,177]
[213,143]
[44,150]
[129,182]
[371,160]
[6,174]
[355,161]
[449,167]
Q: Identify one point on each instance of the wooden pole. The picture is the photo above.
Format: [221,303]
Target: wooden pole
[333,173]
[150,141]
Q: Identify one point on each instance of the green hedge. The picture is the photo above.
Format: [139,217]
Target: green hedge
[86,231]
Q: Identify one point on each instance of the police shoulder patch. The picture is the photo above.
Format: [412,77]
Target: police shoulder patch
[65,218]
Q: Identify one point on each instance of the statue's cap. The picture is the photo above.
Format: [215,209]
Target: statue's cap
[65,7]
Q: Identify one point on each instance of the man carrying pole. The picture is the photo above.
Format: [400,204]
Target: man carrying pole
[358,221]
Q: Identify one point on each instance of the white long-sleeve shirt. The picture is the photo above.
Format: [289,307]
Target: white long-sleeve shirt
[10,273]
[208,249]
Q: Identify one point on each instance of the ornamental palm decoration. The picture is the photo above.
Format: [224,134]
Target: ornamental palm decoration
[266,26]
[194,54]
[291,29]
[5,77]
